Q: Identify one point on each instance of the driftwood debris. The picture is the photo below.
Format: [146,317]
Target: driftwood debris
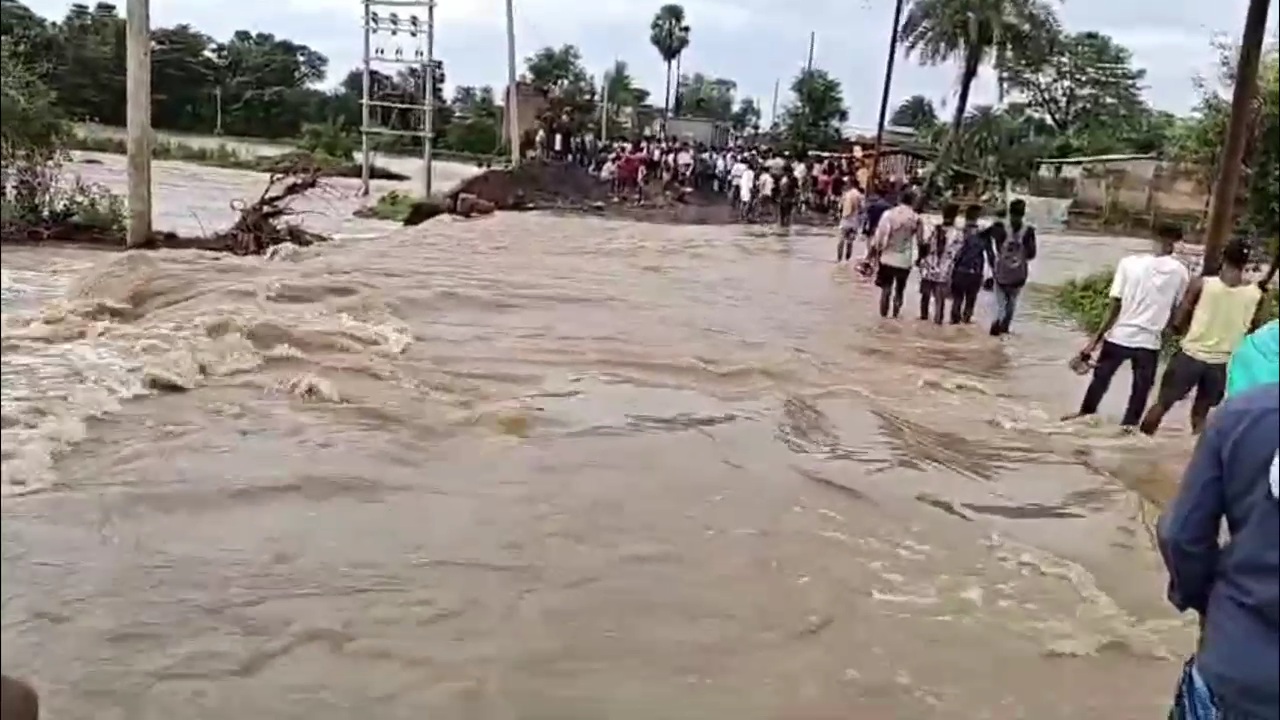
[262,223]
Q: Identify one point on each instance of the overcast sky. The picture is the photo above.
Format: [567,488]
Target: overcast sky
[751,41]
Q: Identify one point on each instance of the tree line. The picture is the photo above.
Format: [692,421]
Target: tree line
[1069,93]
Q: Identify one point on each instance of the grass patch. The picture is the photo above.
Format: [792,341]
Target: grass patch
[393,206]
[225,156]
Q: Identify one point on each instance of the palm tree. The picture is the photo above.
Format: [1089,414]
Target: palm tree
[974,32]
[669,33]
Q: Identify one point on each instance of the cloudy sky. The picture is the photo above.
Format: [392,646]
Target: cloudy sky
[754,42]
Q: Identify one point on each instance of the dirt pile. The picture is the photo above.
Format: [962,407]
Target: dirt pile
[568,187]
[538,184]
[260,225]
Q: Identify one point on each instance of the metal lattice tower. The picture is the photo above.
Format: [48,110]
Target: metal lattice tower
[395,28]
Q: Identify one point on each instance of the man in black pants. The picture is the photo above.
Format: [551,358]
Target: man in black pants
[897,235]
[1144,292]
[966,276]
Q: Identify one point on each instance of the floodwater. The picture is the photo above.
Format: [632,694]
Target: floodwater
[535,467]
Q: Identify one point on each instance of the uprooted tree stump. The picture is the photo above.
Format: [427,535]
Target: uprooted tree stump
[260,225]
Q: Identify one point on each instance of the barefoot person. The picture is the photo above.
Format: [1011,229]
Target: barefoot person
[1144,292]
[1233,584]
[895,241]
[1216,315]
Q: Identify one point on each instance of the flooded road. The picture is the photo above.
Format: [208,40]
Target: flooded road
[542,467]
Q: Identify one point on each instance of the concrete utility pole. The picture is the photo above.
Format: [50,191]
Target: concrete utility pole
[429,99]
[513,91]
[138,113]
[773,110]
[813,41]
[1222,209]
[393,25]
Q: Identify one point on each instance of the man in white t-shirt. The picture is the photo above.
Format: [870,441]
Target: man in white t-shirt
[746,192]
[1144,292]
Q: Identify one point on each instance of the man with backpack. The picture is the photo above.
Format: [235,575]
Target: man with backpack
[1015,248]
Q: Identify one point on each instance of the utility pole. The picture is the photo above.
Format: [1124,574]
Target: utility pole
[1223,199]
[813,40]
[773,111]
[884,94]
[429,99]
[604,105]
[513,90]
[138,114]
[392,24]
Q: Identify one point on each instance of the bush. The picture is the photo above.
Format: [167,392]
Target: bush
[34,192]
[332,139]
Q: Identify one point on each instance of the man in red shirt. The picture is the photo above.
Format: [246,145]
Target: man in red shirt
[629,173]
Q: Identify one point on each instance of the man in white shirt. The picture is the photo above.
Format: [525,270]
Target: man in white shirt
[1144,292]
[894,244]
[746,188]
[735,179]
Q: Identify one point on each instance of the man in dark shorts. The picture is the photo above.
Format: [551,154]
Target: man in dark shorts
[1215,315]
[894,243]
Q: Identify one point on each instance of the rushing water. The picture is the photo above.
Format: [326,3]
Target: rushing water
[541,467]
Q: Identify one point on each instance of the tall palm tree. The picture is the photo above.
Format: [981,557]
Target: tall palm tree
[974,32]
[669,33]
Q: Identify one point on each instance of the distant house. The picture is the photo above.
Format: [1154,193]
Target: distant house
[1132,190]
[694,129]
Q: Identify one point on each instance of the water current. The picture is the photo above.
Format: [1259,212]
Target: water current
[533,466]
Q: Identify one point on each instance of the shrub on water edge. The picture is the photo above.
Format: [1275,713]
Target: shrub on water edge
[34,191]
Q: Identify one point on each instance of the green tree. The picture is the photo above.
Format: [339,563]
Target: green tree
[1085,85]
[559,75]
[669,34]
[813,121]
[974,32]
[707,97]
[746,116]
[916,112]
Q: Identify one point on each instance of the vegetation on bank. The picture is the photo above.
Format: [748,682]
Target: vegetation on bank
[1084,301]
[34,191]
[394,206]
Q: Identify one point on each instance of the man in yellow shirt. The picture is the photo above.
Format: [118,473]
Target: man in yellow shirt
[1216,314]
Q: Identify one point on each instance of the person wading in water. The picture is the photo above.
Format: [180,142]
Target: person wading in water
[1144,292]
[1015,248]
[937,257]
[894,244]
[971,261]
[1216,315]
[850,221]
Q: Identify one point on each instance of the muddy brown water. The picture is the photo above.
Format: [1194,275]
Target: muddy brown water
[545,467]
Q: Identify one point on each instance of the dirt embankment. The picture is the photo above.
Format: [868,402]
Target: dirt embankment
[261,224]
[567,187]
